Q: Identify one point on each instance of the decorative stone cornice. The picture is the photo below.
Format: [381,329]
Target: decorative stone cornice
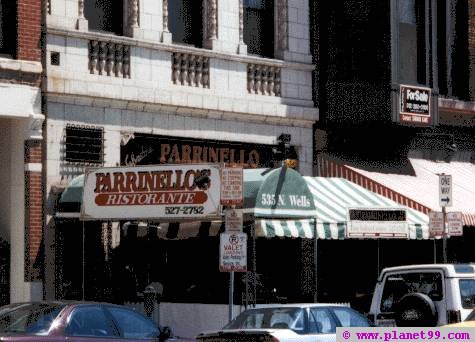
[20,65]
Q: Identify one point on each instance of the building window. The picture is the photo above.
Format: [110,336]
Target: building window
[259,27]
[105,15]
[8,31]
[84,145]
[185,21]
[412,41]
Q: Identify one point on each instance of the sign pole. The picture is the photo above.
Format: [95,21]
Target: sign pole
[231,295]
[444,236]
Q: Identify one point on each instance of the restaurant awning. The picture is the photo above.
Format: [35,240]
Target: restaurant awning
[331,198]
[334,196]
[413,183]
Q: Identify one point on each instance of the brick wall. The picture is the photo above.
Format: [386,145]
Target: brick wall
[33,210]
[471,24]
[29,30]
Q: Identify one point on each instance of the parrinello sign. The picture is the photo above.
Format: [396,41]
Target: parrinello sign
[151,192]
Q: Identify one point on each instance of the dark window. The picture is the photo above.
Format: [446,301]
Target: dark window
[467,293]
[90,321]
[412,41]
[185,21]
[259,27]
[321,321]
[398,285]
[8,30]
[133,325]
[35,319]
[104,15]
[84,145]
[442,46]
[349,318]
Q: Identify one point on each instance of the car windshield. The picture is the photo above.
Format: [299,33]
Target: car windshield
[269,318]
[467,293]
[34,319]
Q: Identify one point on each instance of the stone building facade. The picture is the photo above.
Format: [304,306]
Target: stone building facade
[235,72]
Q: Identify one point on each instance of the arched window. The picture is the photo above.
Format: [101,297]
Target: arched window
[259,27]
[105,15]
[8,32]
[185,21]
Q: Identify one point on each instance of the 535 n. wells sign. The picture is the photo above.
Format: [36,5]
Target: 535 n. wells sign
[151,192]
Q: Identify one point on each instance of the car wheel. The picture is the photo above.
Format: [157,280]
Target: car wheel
[416,310]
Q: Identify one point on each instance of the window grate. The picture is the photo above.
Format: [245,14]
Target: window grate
[84,145]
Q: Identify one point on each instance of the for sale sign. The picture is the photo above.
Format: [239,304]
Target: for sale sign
[151,192]
[415,104]
[233,252]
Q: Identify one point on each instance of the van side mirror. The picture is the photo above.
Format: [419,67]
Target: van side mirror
[165,334]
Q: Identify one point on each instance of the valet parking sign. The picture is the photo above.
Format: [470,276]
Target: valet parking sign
[415,105]
[233,252]
[166,192]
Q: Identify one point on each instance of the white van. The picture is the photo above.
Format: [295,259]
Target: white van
[423,295]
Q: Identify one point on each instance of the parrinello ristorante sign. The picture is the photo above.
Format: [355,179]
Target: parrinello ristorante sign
[151,192]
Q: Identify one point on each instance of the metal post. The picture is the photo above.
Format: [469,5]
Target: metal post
[315,256]
[435,251]
[444,236]
[231,295]
[83,259]
[379,266]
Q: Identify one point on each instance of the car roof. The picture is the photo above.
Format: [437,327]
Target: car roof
[450,270]
[66,303]
[298,305]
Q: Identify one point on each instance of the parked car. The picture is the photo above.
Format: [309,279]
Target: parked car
[468,323]
[288,322]
[423,295]
[76,321]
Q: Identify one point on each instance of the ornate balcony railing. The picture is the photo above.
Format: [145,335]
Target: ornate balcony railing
[191,70]
[263,80]
[111,59]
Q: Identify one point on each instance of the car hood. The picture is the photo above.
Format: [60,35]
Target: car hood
[225,333]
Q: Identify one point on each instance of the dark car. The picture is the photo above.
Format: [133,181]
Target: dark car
[77,321]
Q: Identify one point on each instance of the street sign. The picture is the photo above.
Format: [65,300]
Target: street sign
[233,220]
[231,186]
[455,223]
[233,252]
[445,190]
[436,224]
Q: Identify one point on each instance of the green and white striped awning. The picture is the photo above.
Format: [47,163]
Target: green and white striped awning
[333,197]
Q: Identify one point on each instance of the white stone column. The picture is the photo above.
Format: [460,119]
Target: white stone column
[133,12]
[24,286]
[82,24]
[166,34]
[242,47]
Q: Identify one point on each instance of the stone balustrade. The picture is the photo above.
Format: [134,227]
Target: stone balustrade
[107,58]
[263,80]
[190,70]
